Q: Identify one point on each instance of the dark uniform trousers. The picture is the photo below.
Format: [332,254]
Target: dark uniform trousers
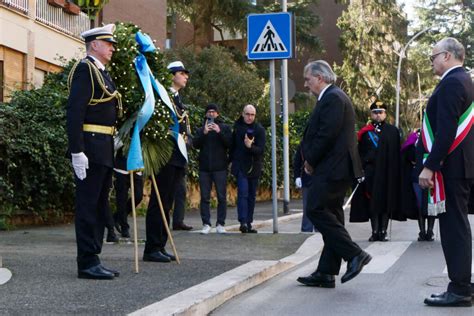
[92,207]
[457,243]
[156,236]
[327,216]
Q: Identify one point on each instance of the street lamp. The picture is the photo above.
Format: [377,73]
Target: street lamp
[401,55]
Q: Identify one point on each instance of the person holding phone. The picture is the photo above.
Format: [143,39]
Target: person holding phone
[248,145]
[213,141]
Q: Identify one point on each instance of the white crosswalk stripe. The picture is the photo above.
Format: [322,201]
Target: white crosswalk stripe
[384,255]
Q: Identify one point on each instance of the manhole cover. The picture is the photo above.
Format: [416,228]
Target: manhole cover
[440,281]
[5,275]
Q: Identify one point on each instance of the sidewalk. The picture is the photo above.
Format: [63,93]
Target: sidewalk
[44,280]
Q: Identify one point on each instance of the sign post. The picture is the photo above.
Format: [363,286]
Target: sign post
[270,37]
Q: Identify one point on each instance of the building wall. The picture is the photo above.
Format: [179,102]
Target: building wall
[149,15]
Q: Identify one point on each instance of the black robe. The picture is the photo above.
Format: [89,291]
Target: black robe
[379,193]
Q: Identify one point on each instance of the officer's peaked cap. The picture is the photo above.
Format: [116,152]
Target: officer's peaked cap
[104,33]
[176,66]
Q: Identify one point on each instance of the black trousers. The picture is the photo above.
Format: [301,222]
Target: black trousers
[455,233]
[219,178]
[167,182]
[92,209]
[123,202]
[327,216]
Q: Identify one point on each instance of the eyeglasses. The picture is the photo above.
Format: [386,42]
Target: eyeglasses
[433,57]
[378,111]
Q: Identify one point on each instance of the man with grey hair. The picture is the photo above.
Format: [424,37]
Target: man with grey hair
[330,153]
[447,152]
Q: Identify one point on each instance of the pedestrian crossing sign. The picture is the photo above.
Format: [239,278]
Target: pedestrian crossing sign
[270,36]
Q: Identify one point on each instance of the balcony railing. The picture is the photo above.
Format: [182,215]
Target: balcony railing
[54,17]
[21,5]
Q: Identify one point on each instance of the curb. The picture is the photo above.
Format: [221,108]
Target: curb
[203,298]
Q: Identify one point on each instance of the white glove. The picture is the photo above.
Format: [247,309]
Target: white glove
[80,163]
[298,183]
[117,143]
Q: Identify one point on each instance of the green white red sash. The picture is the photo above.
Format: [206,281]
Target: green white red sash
[436,195]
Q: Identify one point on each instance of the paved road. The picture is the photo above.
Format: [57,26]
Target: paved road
[401,274]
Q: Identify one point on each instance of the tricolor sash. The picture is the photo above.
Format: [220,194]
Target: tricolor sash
[436,195]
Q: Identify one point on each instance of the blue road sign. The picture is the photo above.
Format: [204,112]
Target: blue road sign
[270,36]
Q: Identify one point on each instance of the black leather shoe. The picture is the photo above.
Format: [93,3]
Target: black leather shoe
[244,229]
[156,256]
[374,236]
[251,230]
[114,272]
[125,232]
[421,236]
[95,273]
[319,279]
[448,299]
[164,253]
[182,226]
[111,237]
[429,236]
[355,266]
[383,236]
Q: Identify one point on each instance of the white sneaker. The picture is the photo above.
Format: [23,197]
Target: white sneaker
[220,229]
[205,229]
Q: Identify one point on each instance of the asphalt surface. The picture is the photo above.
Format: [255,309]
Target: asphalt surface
[45,281]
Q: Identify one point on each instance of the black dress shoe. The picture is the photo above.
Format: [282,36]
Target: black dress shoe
[125,232]
[114,272]
[355,266]
[251,230]
[319,279]
[156,256]
[421,236]
[383,236]
[244,229]
[429,236]
[164,253]
[448,299]
[374,236]
[182,226]
[111,237]
[95,273]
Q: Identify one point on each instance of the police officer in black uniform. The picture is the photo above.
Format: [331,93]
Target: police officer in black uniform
[169,177]
[91,116]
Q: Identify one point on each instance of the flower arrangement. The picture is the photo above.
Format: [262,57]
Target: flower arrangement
[157,145]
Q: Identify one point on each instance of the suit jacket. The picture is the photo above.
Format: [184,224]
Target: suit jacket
[99,148]
[451,98]
[329,141]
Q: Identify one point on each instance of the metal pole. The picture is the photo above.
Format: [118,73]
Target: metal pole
[274,165]
[401,55]
[286,151]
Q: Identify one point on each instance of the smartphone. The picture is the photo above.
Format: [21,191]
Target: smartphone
[210,120]
[250,133]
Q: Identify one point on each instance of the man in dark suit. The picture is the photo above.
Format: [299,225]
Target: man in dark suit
[91,116]
[448,151]
[170,177]
[331,157]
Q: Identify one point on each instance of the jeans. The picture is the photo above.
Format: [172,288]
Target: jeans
[205,185]
[246,195]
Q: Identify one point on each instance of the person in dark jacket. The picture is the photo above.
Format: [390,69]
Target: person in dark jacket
[248,145]
[377,198]
[213,141]
[303,182]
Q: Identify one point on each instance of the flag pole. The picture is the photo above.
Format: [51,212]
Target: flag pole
[134,213]
[164,218]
